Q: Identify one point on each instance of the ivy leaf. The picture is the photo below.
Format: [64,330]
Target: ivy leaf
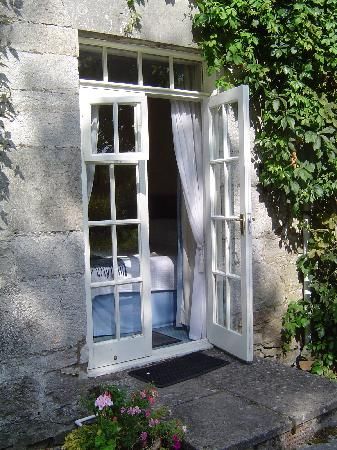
[276,104]
[318,142]
[291,122]
[328,130]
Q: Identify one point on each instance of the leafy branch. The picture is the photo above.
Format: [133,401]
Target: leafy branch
[287,53]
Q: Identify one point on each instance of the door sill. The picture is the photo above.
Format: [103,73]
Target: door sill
[158,354]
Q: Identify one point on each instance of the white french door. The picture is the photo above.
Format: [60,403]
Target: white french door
[228,222]
[115,153]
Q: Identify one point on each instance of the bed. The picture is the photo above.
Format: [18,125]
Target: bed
[163,295]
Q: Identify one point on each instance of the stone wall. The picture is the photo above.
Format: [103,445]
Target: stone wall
[42,308]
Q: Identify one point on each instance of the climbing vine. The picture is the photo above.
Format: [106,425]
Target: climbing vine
[135,17]
[287,53]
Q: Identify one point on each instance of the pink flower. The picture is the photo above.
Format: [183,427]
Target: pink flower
[153,422]
[151,400]
[176,442]
[142,394]
[134,411]
[143,436]
[103,400]
[123,410]
[147,412]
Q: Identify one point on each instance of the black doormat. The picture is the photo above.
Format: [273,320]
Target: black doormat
[160,339]
[178,369]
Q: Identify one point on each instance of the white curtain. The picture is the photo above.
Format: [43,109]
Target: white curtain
[186,127]
[94,137]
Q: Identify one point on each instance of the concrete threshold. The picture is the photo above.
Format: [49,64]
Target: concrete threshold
[262,405]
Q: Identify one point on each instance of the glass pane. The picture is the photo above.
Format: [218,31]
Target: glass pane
[233,188]
[217,133]
[220,245]
[103,314]
[187,75]
[126,192]
[98,183]
[220,296]
[233,129]
[122,67]
[90,63]
[126,128]
[105,128]
[128,252]
[235,304]
[156,71]
[234,246]
[130,309]
[219,190]
[100,242]
[127,240]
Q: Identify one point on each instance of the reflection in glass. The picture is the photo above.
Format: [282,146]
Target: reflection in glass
[156,71]
[187,75]
[103,314]
[90,63]
[233,188]
[235,304]
[130,310]
[98,192]
[100,241]
[217,133]
[233,129]
[105,138]
[127,240]
[220,245]
[234,247]
[126,128]
[126,192]
[122,67]
[219,190]
[220,295]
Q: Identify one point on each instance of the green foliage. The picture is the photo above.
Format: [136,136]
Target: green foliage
[126,422]
[287,53]
[135,18]
[317,316]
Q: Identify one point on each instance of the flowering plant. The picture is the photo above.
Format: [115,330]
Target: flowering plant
[126,422]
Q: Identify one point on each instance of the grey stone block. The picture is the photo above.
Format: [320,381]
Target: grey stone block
[49,255]
[51,39]
[8,266]
[51,119]
[37,11]
[42,72]
[173,19]
[42,317]
[47,195]
[225,421]
[283,390]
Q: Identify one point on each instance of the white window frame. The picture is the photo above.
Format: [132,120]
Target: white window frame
[207,82]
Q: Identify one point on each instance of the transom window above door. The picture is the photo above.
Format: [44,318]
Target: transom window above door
[138,66]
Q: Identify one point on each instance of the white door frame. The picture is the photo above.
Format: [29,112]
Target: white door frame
[120,349]
[174,350]
[233,342]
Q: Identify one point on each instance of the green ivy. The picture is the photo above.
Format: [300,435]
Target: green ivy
[134,20]
[287,53]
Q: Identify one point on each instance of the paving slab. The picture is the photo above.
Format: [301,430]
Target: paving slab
[286,390]
[225,421]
